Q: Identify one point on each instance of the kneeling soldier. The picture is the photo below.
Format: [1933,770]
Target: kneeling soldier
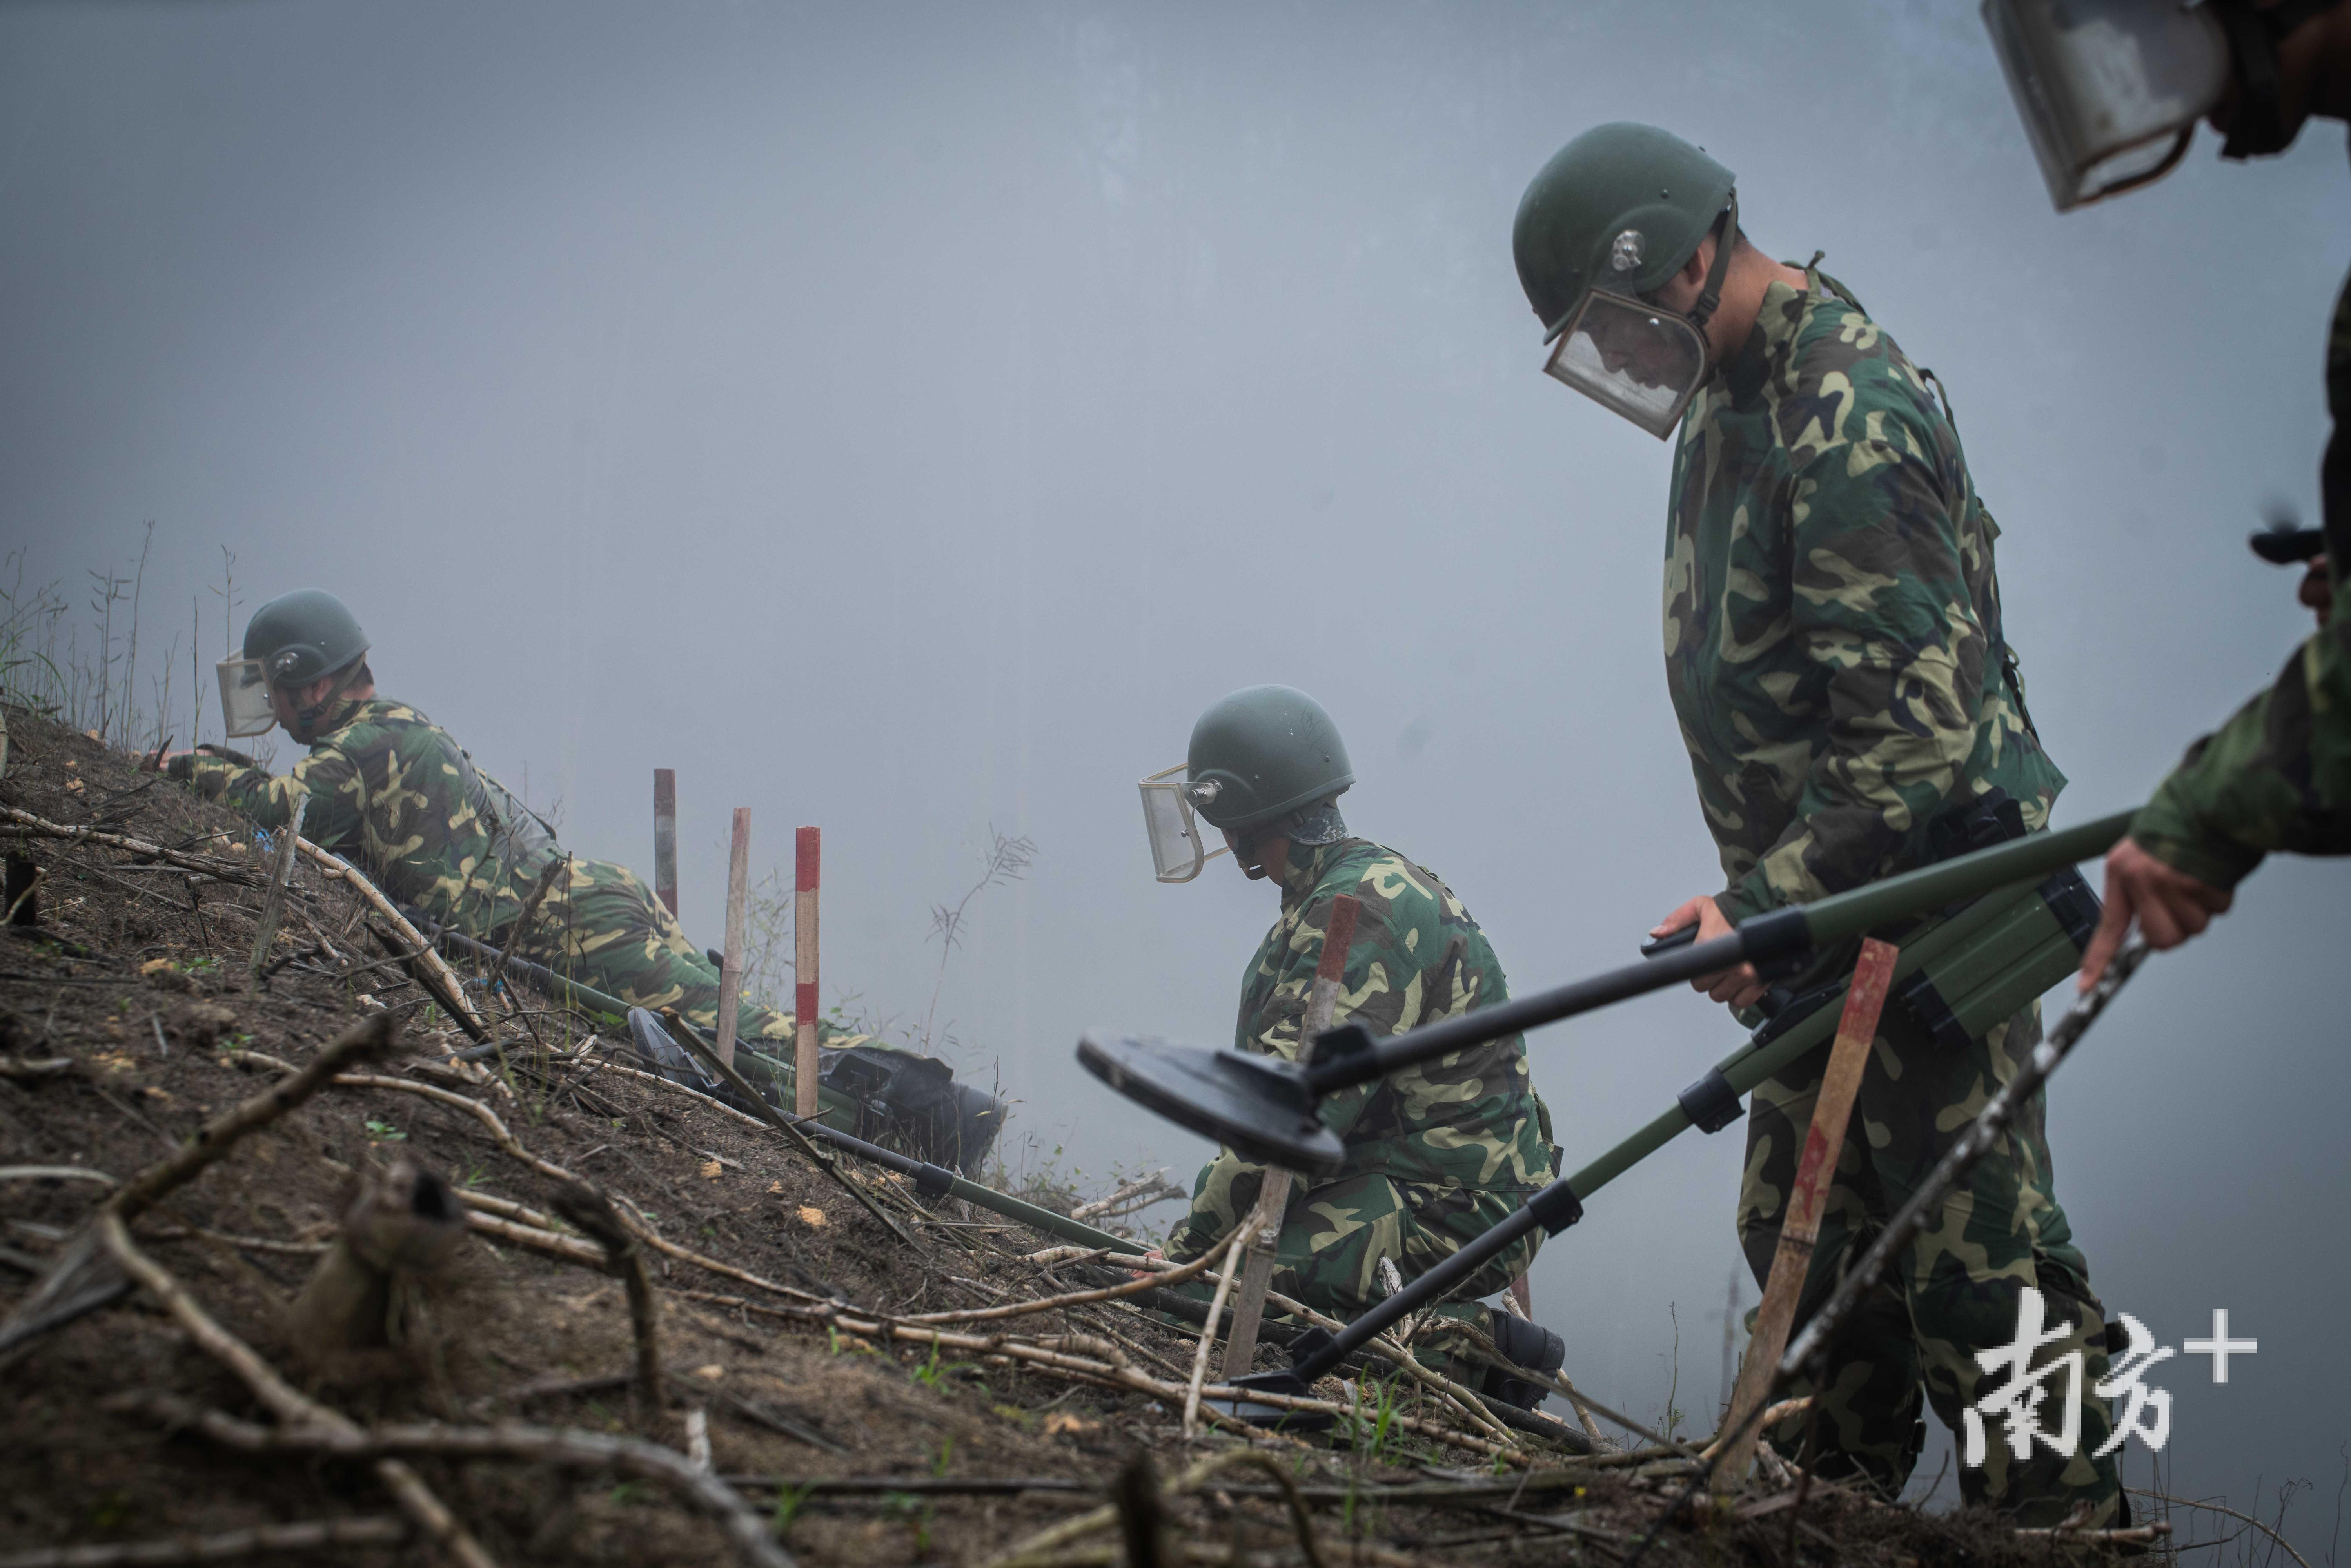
[1436,1155]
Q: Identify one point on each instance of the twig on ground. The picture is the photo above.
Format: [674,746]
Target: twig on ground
[746,1532]
[369,1038]
[226,1546]
[591,1211]
[30,826]
[2215,1508]
[1232,1247]
[282,1398]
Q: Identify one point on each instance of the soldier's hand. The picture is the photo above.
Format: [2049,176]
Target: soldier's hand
[2170,905]
[1738,986]
[2317,590]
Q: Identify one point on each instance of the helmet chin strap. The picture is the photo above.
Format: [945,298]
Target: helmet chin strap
[1726,240]
[2258,127]
[305,720]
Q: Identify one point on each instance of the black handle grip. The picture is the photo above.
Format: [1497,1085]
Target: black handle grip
[1670,940]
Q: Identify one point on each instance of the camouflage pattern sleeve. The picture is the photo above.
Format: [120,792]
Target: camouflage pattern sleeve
[268,799]
[1881,606]
[2277,776]
[1469,1119]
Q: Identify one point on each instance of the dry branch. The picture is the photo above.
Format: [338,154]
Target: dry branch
[1233,1248]
[80,1279]
[1167,1274]
[225,1547]
[432,971]
[746,1532]
[284,1401]
[591,1211]
[30,826]
[362,1042]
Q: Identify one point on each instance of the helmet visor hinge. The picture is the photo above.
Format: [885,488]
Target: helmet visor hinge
[1178,850]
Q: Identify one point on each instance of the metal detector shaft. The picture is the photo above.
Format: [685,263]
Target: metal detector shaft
[1759,939]
[1560,1204]
[539,975]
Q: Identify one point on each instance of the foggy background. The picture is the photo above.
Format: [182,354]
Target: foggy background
[906,418]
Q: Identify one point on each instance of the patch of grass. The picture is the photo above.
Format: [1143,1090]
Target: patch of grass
[383,1132]
[787,1506]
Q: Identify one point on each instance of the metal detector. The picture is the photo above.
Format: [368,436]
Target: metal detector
[1264,1108]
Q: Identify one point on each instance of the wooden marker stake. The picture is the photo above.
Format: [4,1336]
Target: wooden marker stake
[807,852]
[730,971]
[272,897]
[1273,1196]
[1800,1228]
[665,837]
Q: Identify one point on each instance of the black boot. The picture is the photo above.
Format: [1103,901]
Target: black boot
[1526,1344]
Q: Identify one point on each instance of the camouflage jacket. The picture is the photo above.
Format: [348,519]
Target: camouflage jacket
[2277,776]
[1833,627]
[1471,1119]
[390,791]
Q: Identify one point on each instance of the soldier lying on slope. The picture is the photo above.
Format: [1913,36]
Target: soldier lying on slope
[390,791]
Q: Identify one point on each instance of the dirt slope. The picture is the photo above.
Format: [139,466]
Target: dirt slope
[126,1021]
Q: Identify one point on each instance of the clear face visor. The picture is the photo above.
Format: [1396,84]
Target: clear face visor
[1639,360]
[2110,90]
[245,697]
[1178,849]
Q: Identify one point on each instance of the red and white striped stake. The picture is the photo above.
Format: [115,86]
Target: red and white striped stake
[665,837]
[730,971]
[808,852]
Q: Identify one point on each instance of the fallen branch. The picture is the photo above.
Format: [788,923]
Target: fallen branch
[79,1281]
[1232,1247]
[591,1211]
[1170,1274]
[226,1546]
[443,981]
[2215,1508]
[363,1041]
[282,1398]
[825,1160]
[548,1243]
[745,1531]
[54,1172]
[32,827]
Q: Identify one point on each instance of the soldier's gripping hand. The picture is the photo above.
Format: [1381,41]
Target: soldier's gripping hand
[2170,905]
[1738,987]
[2317,590]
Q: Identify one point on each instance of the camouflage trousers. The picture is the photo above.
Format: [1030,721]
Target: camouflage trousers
[605,929]
[1954,1291]
[1334,1233]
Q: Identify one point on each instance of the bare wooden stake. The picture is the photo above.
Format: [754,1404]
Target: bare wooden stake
[273,899]
[1273,1196]
[665,837]
[1801,1227]
[807,854]
[730,969]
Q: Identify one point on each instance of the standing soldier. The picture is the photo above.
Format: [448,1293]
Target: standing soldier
[1436,1155]
[2111,96]
[390,791]
[1834,653]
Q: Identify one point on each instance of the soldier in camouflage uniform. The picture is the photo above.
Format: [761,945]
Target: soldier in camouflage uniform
[1437,1153]
[2277,776]
[390,791]
[1835,655]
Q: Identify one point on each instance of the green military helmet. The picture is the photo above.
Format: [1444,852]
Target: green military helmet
[1261,752]
[1622,207]
[299,637]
